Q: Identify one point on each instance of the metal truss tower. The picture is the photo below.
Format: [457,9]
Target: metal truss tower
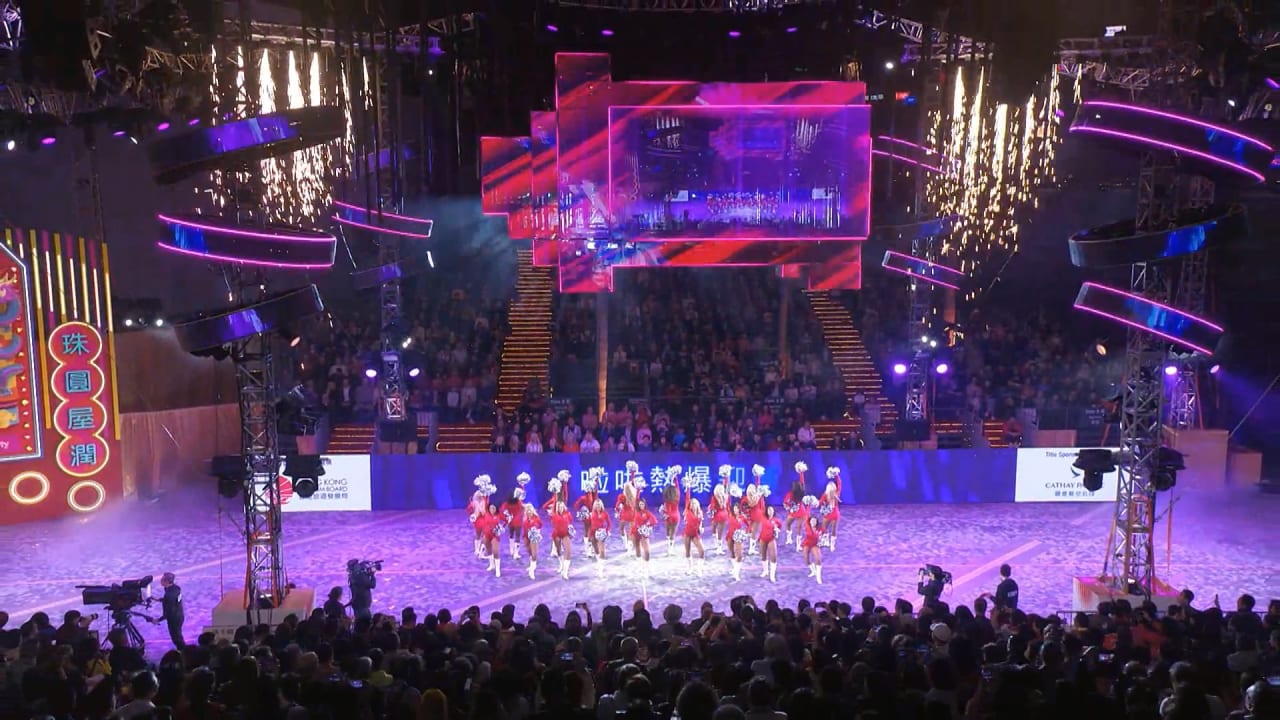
[1184,402]
[1131,548]
[259,446]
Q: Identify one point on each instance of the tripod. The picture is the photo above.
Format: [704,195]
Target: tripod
[123,620]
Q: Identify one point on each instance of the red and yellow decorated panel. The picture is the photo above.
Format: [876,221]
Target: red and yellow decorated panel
[20,437]
[72,465]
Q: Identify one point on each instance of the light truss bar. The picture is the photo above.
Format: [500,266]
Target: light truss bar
[256,385]
[688,6]
[408,39]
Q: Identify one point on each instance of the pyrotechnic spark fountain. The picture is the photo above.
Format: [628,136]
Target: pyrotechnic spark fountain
[1001,155]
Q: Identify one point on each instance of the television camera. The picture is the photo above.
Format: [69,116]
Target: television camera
[932,580]
[362,573]
[120,599]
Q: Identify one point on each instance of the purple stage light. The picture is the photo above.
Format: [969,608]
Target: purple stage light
[1170,146]
[899,368]
[606,32]
[118,133]
[552,28]
[793,29]
[163,126]
[1273,84]
[193,122]
[735,34]
[1181,118]
[941,368]
[415,372]
[48,140]
[1215,369]
[371,373]
[905,159]
[1170,370]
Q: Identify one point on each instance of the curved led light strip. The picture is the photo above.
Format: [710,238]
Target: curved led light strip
[1192,139]
[36,499]
[241,142]
[392,223]
[74,503]
[1140,313]
[1120,243]
[382,274]
[924,270]
[278,247]
[907,152]
[913,231]
[203,333]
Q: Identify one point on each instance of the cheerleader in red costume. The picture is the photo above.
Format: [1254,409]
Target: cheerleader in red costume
[769,528]
[642,524]
[813,553]
[598,525]
[513,514]
[479,506]
[561,535]
[829,507]
[558,489]
[583,506]
[796,511]
[671,506]
[531,526]
[491,527]
[693,531]
[625,506]
[736,538]
[718,509]
[753,506]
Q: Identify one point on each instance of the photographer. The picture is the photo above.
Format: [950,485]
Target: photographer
[171,607]
[362,580]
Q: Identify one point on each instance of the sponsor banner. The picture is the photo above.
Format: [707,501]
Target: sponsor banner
[344,487]
[1046,475]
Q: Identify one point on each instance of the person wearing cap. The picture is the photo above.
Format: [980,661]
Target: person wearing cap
[171,606]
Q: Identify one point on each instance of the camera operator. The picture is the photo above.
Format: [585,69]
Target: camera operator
[1006,596]
[362,581]
[171,606]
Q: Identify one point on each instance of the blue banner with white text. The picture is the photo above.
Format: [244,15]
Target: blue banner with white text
[443,481]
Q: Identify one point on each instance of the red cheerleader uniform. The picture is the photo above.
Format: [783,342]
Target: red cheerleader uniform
[587,501]
[598,520]
[811,536]
[560,524]
[479,508]
[488,524]
[735,524]
[550,504]
[692,523]
[719,510]
[642,518]
[833,509]
[800,512]
[671,508]
[514,512]
[769,530]
[625,512]
[755,512]
[533,521]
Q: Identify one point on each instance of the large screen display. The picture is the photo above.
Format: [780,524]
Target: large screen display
[735,172]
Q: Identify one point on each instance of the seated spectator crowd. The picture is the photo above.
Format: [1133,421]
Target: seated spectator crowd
[694,364]
[454,336]
[822,661]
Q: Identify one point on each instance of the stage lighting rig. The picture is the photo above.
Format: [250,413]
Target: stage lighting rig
[232,471]
[1094,463]
[305,472]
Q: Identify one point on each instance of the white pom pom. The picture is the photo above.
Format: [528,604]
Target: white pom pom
[810,501]
[757,470]
[523,478]
[483,480]
[735,491]
[519,494]
[726,470]
[802,468]
[674,471]
[633,467]
[564,476]
[833,472]
[553,486]
[765,491]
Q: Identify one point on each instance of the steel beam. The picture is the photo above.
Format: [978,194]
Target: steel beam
[259,445]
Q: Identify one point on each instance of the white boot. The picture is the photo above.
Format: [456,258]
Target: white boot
[645,570]
[817,573]
[688,561]
[533,568]
[515,551]
[773,572]
[790,538]
[764,569]
[702,563]
[586,546]
[490,565]
[737,570]
[813,569]
[599,568]
[555,550]
[565,573]
[752,549]
[497,567]
[831,543]
[475,547]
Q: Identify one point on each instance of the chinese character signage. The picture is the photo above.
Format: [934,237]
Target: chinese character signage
[80,413]
[19,407]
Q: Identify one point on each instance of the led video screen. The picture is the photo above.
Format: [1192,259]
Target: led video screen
[735,172]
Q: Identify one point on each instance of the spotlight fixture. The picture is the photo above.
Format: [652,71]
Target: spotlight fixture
[205,333]
[735,34]
[1094,463]
[792,30]
[606,32]
[1170,370]
[1215,369]
[10,144]
[941,368]
[1166,464]
[889,65]
[899,368]
[231,472]
[159,322]
[415,372]
[1100,347]
[305,472]
[552,28]
[128,322]
[371,373]
[165,125]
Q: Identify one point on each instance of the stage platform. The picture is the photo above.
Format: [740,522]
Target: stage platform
[1223,543]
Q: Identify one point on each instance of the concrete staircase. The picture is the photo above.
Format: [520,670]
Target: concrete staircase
[851,358]
[463,437]
[351,440]
[526,351]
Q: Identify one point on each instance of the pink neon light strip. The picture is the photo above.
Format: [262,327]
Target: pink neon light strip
[375,228]
[1144,328]
[239,261]
[891,139]
[317,237]
[926,262]
[1162,306]
[1169,146]
[660,108]
[383,213]
[926,278]
[1180,118]
[905,159]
